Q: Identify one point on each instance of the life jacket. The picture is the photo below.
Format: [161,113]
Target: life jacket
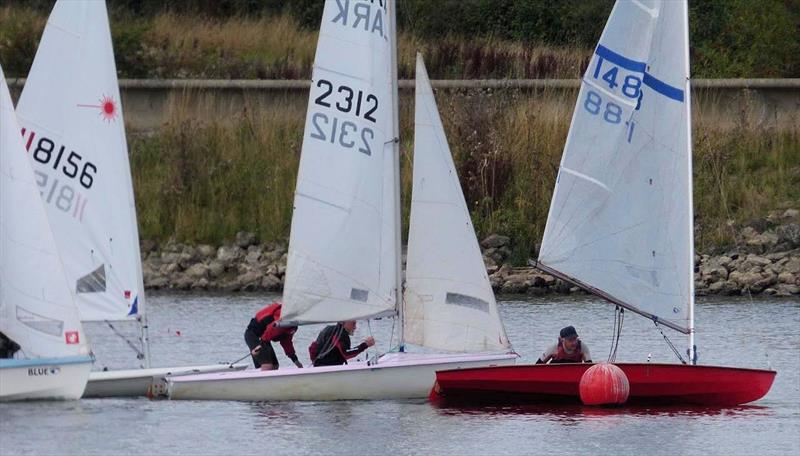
[269,314]
[563,357]
[313,351]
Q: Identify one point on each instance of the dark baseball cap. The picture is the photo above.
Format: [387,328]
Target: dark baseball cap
[568,332]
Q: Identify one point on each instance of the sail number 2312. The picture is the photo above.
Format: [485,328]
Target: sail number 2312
[339,100]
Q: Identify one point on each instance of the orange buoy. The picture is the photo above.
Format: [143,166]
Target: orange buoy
[603,384]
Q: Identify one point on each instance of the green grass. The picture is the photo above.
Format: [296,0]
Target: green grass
[203,182]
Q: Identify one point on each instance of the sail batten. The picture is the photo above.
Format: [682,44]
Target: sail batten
[619,205]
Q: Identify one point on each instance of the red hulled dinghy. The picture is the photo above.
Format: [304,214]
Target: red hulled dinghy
[650,384]
[621,223]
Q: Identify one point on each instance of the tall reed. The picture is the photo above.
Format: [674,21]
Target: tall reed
[202,181]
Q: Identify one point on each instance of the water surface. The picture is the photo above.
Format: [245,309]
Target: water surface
[189,329]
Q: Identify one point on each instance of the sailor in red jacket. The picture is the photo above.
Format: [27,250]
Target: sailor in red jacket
[263,330]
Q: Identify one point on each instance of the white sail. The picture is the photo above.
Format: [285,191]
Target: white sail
[621,215]
[74,132]
[449,303]
[342,251]
[37,309]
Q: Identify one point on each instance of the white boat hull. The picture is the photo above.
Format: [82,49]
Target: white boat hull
[394,376]
[144,382]
[49,378]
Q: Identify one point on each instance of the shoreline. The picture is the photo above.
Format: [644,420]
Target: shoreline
[766,263]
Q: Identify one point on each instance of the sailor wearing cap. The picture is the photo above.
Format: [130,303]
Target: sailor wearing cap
[568,349]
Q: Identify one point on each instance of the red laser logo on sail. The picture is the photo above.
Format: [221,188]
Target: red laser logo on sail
[108,107]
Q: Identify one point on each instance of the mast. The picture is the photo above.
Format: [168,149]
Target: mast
[397,200]
[144,335]
[691,351]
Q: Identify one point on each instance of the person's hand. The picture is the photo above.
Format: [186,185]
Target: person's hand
[255,350]
[298,364]
[370,341]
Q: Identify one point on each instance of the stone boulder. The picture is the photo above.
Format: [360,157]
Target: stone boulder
[792,265]
[215,269]
[205,251]
[786,289]
[724,287]
[791,214]
[271,283]
[495,241]
[197,271]
[253,255]
[251,280]
[762,242]
[228,254]
[713,272]
[786,277]
[245,239]
[788,235]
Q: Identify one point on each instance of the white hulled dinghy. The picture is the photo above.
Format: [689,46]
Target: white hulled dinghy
[620,224]
[344,251]
[74,132]
[37,310]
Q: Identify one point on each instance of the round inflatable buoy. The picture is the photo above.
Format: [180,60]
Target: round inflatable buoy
[603,384]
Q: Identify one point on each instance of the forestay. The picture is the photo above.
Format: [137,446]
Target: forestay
[342,249]
[73,129]
[621,215]
[449,303]
[36,307]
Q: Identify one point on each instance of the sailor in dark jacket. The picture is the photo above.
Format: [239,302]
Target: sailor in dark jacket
[332,346]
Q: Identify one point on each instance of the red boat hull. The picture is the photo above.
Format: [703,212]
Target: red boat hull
[650,384]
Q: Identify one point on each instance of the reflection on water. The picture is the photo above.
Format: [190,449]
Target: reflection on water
[201,329]
[570,413]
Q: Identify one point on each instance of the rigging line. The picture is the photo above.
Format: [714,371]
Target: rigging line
[613,332]
[674,350]
[139,354]
[619,333]
[366,352]
[331,343]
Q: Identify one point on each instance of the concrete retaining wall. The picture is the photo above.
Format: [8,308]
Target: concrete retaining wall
[725,103]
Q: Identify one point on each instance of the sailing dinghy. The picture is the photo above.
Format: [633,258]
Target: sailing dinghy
[344,250]
[37,310]
[74,132]
[620,224]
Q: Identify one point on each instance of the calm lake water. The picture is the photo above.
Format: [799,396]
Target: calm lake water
[189,329]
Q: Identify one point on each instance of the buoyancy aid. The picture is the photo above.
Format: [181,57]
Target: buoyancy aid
[263,324]
[563,357]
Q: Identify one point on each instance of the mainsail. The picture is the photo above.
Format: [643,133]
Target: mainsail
[73,130]
[37,309]
[343,255]
[449,303]
[620,220]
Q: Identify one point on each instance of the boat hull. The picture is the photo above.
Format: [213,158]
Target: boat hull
[650,384]
[143,382]
[394,376]
[49,378]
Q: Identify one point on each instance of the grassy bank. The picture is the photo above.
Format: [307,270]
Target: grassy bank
[203,182]
[276,39]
